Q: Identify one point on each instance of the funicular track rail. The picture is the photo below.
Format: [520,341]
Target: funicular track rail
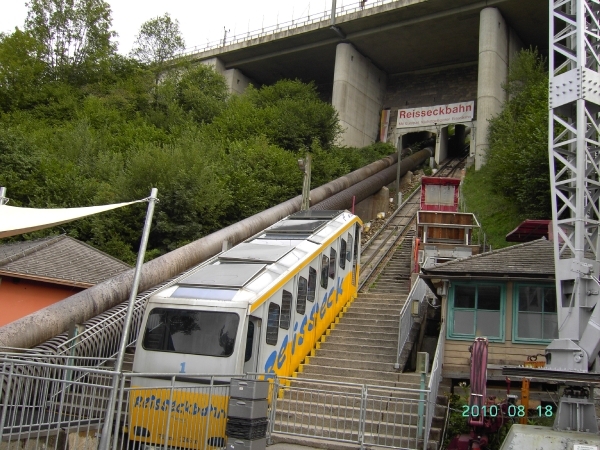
[376,250]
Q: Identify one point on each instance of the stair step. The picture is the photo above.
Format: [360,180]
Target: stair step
[371,318]
[391,338]
[372,358]
[359,349]
[371,321]
[365,339]
[316,371]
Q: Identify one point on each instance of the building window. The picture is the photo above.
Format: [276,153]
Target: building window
[476,310]
[535,317]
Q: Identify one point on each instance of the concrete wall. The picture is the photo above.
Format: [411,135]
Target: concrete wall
[358,93]
[427,88]
[369,208]
[236,81]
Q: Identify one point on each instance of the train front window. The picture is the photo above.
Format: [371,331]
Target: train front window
[207,333]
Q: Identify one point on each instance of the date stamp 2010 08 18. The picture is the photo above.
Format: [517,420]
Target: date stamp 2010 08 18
[512,411]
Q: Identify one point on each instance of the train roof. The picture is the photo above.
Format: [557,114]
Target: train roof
[248,270]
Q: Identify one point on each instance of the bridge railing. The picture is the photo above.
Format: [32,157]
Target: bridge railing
[285,26]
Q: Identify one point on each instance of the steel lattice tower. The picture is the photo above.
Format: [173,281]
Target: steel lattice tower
[574,129]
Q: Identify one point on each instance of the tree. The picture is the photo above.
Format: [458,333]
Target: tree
[518,153]
[21,72]
[75,36]
[158,41]
[289,113]
[201,92]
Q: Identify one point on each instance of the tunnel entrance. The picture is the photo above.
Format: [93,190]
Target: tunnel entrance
[451,140]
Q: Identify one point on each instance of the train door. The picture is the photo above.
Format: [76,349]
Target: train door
[276,341]
[343,281]
[356,255]
[326,288]
[305,314]
[251,355]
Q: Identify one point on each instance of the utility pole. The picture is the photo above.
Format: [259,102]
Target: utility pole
[305,166]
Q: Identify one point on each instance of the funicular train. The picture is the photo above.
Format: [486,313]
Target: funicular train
[260,307]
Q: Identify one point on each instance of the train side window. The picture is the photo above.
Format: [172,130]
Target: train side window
[324,269]
[249,341]
[333,255]
[286,310]
[312,284]
[349,252]
[272,324]
[343,254]
[302,294]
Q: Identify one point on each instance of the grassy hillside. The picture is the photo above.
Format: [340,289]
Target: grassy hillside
[496,213]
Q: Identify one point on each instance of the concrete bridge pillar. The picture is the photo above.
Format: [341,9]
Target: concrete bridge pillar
[493,69]
[236,81]
[358,91]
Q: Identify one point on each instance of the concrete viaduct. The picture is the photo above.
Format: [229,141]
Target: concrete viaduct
[396,55]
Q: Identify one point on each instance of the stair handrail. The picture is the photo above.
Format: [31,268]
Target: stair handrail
[407,320]
[434,382]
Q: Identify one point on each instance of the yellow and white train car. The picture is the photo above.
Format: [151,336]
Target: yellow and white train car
[260,307]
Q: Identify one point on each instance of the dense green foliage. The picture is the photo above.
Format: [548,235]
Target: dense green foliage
[514,184]
[83,125]
[518,153]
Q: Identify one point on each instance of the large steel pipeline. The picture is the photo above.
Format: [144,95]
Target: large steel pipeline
[369,186]
[46,323]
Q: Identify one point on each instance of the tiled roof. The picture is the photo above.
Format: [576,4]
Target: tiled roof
[535,258]
[58,259]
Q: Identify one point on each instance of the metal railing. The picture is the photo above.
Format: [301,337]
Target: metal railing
[51,406]
[43,407]
[324,16]
[435,378]
[407,320]
[369,416]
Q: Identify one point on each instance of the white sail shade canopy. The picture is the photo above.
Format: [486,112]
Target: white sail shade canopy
[16,220]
